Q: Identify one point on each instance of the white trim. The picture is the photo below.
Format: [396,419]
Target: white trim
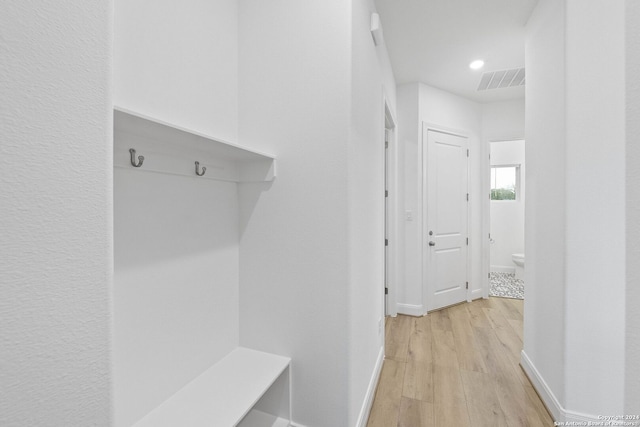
[411,309]
[577,417]
[547,396]
[292,424]
[502,269]
[393,209]
[558,412]
[476,294]
[363,418]
[469,222]
[485,219]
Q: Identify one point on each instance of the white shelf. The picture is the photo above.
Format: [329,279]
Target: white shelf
[168,148]
[224,394]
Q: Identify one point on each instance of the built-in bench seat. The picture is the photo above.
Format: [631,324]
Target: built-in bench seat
[226,394]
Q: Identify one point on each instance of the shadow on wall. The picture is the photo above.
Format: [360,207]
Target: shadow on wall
[249,194]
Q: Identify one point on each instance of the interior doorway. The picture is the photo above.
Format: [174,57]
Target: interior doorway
[391,200]
[506,218]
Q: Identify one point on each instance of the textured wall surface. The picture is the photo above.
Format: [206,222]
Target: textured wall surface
[55,206]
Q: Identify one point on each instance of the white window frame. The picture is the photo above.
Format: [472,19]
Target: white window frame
[518,196]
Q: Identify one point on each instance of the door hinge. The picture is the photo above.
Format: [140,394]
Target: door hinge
[467,152]
[467,197]
[386,193]
[386,242]
[386,291]
[386,144]
[467,285]
[488,275]
[467,241]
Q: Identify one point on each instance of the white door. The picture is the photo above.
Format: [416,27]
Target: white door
[445,232]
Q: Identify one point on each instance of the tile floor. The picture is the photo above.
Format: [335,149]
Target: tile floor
[506,285]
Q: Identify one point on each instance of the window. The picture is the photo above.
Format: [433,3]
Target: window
[504,182]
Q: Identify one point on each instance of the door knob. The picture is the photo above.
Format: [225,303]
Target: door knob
[432,243]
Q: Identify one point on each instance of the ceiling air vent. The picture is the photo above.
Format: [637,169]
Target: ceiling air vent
[502,79]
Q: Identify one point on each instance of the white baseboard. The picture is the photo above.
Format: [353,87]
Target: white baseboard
[581,419]
[547,396]
[363,418]
[502,269]
[558,412]
[410,309]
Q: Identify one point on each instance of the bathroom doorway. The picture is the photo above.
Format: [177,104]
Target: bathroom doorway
[506,213]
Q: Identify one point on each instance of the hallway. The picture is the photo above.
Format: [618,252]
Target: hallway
[457,367]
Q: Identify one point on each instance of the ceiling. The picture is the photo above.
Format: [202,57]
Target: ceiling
[433,42]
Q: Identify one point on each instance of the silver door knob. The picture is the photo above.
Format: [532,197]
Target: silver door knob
[432,243]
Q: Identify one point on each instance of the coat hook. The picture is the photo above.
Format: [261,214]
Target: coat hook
[133,158]
[204,169]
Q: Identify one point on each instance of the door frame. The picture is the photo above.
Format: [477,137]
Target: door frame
[485,170]
[392,204]
[426,127]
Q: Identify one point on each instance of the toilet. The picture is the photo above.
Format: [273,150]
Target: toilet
[518,260]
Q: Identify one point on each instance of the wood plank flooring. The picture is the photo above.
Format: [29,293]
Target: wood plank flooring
[457,367]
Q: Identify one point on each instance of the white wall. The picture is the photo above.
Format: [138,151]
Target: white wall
[544,322]
[294,102]
[176,284]
[503,121]
[507,216]
[446,112]
[595,199]
[55,205]
[632,355]
[176,290]
[575,244]
[311,92]
[178,62]
[409,290]
[370,70]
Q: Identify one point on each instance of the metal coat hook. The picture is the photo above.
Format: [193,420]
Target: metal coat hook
[204,169]
[133,158]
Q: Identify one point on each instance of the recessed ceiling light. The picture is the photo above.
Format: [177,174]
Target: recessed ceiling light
[477,64]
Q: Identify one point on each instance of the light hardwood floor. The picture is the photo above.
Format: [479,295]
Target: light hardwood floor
[457,367]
